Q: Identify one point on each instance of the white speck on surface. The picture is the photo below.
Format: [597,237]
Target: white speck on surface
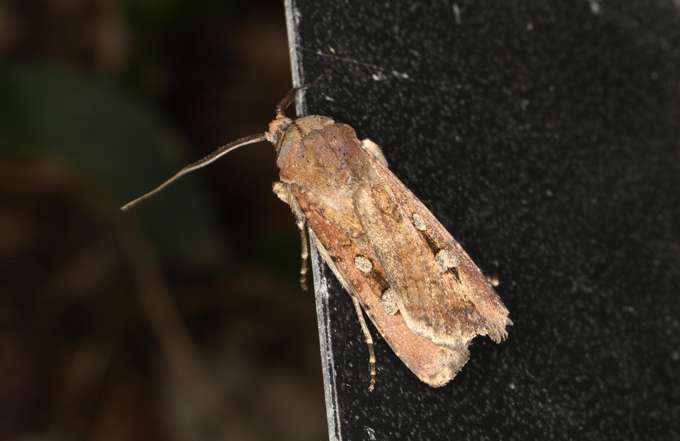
[530,26]
[595,7]
[456,14]
[371,434]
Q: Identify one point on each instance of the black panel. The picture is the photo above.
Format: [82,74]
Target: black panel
[544,136]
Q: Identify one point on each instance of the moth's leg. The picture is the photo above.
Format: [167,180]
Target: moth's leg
[374,150]
[329,261]
[305,257]
[369,342]
[283,192]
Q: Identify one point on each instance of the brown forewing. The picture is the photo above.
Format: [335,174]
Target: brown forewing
[439,309]
[432,363]
[459,303]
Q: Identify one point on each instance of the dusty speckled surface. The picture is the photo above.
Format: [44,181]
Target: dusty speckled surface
[545,138]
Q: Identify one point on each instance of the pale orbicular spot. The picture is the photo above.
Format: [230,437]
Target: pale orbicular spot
[447,259]
[364,264]
[419,222]
[389,302]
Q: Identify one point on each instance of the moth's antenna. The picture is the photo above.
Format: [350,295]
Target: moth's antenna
[290,97]
[200,163]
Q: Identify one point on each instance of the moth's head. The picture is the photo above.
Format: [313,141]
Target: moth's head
[277,128]
[281,124]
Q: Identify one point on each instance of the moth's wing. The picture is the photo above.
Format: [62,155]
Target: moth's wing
[340,239]
[440,292]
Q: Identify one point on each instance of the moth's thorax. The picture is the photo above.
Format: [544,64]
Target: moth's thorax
[289,133]
[322,156]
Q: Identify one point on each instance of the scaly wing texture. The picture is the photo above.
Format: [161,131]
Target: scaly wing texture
[441,293]
[415,282]
[431,363]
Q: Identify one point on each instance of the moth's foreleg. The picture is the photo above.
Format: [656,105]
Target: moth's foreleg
[305,257]
[369,342]
[283,192]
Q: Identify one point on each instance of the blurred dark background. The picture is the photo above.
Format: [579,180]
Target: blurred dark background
[183,320]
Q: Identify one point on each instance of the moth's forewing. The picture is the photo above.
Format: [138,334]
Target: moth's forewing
[433,364]
[362,219]
[471,306]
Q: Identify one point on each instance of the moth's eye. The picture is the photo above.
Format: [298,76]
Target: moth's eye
[447,259]
[419,222]
[363,263]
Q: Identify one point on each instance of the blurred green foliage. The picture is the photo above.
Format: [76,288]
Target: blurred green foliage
[99,130]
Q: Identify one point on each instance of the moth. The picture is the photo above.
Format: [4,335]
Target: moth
[397,262]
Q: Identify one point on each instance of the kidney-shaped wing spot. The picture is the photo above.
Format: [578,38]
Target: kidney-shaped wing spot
[389,302]
[447,259]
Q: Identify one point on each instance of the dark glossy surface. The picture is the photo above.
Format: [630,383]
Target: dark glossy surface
[545,138]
